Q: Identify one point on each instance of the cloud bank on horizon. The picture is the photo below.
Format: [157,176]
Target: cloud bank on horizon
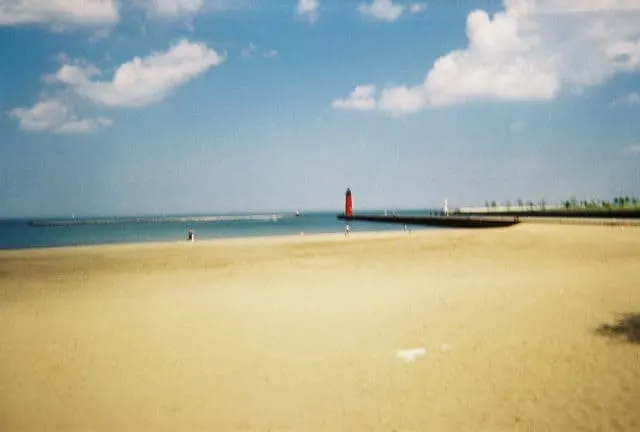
[529,51]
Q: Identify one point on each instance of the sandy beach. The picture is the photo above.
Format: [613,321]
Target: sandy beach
[452,330]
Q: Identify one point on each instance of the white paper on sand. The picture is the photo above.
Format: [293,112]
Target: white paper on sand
[410,355]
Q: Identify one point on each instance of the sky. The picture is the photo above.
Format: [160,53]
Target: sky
[132,107]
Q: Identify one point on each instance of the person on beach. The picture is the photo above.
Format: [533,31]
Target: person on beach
[191,236]
[347,230]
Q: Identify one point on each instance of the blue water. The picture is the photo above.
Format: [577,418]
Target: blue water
[23,234]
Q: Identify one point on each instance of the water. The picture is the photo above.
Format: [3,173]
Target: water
[23,234]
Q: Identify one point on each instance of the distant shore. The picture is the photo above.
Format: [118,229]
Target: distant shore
[619,213]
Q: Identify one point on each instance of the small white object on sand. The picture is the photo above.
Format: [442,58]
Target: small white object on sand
[410,355]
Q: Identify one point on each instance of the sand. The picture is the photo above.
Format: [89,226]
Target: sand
[489,330]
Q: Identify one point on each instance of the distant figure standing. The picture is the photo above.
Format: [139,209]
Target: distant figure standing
[347,230]
[191,236]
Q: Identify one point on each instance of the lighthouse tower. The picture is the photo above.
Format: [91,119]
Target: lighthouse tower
[348,205]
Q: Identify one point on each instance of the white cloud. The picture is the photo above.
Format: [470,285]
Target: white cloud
[383,10]
[55,116]
[402,99]
[308,9]
[529,52]
[76,12]
[417,7]
[142,81]
[249,51]
[138,82]
[635,149]
[72,74]
[361,99]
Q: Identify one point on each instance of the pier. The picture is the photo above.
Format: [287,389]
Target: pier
[437,221]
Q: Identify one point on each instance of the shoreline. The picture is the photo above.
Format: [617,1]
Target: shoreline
[326,236]
[237,240]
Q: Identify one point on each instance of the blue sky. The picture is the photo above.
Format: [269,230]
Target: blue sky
[178,106]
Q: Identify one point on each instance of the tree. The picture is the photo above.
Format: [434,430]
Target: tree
[520,204]
[567,205]
[493,204]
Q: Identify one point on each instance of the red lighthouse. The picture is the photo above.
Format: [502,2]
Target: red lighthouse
[348,205]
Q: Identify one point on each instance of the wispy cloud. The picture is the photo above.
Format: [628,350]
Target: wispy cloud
[270,53]
[54,115]
[250,50]
[247,51]
[633,149]
[630,99]
[417,7]
[308,10]
[387,10]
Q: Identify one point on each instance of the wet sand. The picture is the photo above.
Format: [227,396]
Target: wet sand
[489,330]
